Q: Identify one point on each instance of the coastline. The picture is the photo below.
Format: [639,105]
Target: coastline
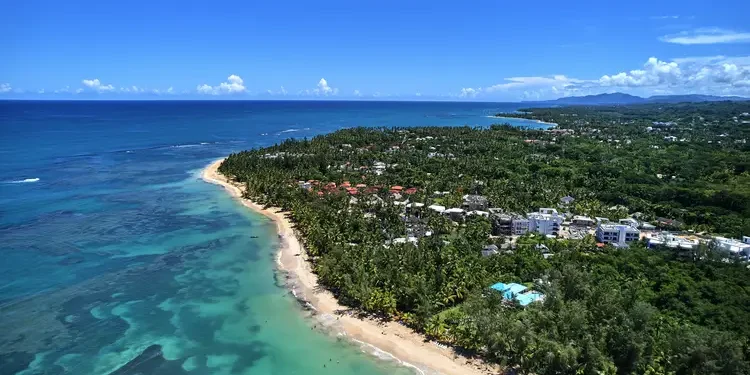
[551,124]
[408,347]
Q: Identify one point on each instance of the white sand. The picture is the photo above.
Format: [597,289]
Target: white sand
[399,341]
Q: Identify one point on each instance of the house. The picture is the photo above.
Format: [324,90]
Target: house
[478,213]
[630,221]
[519,225]
[489,250]
[583,221]
[646,226]
[732,246]
[547,221]
[566,200]
[618,235]
[502,224]
[668,223]
[475,203]
[436,208]
[455,214]
[746,239]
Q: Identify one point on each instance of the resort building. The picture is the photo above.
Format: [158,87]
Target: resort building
[629,222]
[732,246]
[475,203]
[520,225]
[619,235]
[671,241]
[502,224]
[547,221]
[583,221]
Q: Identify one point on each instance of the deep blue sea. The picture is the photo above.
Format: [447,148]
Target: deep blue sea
[118,259]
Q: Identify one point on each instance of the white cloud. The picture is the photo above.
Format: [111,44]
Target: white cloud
[324,89]
[357,93]
[282,91]
[5,87]
[711,35]
[132,89]
[708,73]
[418,94]
[170,90]
[78,91]
[468,92]
[233,85]
[714,75]
[654,72]
[96,85]
[40,91]
[674,17]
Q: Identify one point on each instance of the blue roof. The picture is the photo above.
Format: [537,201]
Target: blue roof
[509,290]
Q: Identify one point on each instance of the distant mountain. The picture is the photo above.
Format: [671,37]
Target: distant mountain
[619,98]
[693,98]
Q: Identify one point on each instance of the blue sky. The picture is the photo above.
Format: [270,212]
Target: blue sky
[399,50]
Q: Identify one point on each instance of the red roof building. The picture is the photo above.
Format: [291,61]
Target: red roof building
[410,191]
[397,188]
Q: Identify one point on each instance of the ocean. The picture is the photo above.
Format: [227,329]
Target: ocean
[119,259]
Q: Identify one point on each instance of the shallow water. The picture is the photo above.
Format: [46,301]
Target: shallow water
[118,259]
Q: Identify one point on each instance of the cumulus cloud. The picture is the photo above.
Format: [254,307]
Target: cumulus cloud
[654,72]
[96,85]
[5,87]
[357,93]
[690,73]
[233,85]
[710,35]
[324,89]
[716,75]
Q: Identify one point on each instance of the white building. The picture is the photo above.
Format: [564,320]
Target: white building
[734,247]
[671,241]
[436,208]
[519,225]
[619,235]
[547,221]
[630,222]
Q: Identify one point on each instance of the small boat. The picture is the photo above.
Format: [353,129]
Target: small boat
[253,236]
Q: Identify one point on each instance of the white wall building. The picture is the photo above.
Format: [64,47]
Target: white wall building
[519,226]
[547,221]
[619,235]
[629,222]
[671,241]
[735,247]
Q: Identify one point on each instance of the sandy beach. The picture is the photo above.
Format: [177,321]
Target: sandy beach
[401,342]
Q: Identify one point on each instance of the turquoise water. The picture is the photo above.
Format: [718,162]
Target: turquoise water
[118,259]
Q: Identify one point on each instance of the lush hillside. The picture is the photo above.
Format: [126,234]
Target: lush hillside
[605,311]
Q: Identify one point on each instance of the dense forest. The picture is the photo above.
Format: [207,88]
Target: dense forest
[606,310]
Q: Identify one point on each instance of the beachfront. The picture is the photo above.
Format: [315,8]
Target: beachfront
[404,344]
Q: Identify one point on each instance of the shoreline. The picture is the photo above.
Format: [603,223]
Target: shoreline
[551,124]
[402,343]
